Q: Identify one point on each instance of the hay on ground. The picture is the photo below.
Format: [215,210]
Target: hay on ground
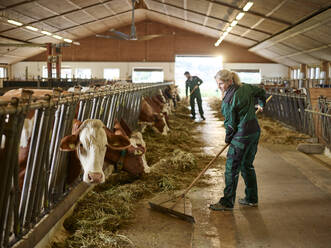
[215,104]
[98,217]
[272,131]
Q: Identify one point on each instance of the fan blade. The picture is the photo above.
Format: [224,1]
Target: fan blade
[152,36]
[109,37]
[120,34]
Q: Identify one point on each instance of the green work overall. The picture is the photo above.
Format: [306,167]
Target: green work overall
[191,83]
[242,133]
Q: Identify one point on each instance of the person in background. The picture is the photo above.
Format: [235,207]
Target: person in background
[242,133]
[193,83]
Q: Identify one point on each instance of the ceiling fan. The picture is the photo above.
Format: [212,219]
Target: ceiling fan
[132,36]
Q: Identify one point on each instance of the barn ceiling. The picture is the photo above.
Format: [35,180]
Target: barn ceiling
[289,32]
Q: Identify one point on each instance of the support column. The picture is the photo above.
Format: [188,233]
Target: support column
[58,62]
[303,76]
[49,61]
[325,69]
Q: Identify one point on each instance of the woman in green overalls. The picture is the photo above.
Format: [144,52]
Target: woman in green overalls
[242,133]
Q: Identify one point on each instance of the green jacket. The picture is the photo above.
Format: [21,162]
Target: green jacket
[191,83]
[238,108]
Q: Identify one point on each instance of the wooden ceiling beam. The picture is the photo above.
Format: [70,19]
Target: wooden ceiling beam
[88,22]
[212,17]
[307,51]
[274,19]
[316,13]
[58,15]
[17,5]
[210,6]
[196,23]
[268,14]
[13,39]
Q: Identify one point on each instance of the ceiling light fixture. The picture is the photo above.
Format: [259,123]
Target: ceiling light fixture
[229,29]
[218,42]
[240,15]
[31,28]
[15,23]
[46,32]
[57,37]
[248,6]
[68,40]
[234,23]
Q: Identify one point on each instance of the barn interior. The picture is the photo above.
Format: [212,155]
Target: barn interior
[75,60]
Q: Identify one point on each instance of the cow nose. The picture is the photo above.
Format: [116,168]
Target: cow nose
[95,177]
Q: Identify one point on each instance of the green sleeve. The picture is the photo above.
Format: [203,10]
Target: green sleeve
[186,85]
[232,120]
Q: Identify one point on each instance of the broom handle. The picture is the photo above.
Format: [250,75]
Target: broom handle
[207,166]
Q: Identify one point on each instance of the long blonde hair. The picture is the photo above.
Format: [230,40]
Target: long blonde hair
[226,75]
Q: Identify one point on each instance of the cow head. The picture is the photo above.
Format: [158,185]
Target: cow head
[149,115]
[90,140]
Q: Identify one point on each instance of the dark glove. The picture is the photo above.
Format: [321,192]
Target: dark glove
[230,132]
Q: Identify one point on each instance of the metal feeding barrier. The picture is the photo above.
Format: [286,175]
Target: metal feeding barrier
[290,109]
[44,184]
[41,82]
[323,119]
[298,83]
[295,110]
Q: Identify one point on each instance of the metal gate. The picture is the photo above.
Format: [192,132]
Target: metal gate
[44,180]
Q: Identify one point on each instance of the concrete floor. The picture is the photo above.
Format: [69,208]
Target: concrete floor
[294,205]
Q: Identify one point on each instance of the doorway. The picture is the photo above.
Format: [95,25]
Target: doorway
[205,67]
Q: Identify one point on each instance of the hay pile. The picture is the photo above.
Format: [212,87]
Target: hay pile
[272,131]
[215,104]
[276,133]
[183,136]
[98,217]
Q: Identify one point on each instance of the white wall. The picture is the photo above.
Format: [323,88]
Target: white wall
[35,68]
[267,70]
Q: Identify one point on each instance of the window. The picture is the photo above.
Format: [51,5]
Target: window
[45,74]
[296,74]
[205,67]
[147,75]
[66,72]
[3,72]
[317,72]
[84,73]
[111,73]
[312,73]
[249,76]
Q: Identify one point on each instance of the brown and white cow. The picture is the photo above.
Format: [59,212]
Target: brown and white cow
[91,164]
[92,141]
[149,115]
[26,134]
[137,143]
[94,144]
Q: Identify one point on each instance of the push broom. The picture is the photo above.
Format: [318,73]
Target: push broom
[180,215]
